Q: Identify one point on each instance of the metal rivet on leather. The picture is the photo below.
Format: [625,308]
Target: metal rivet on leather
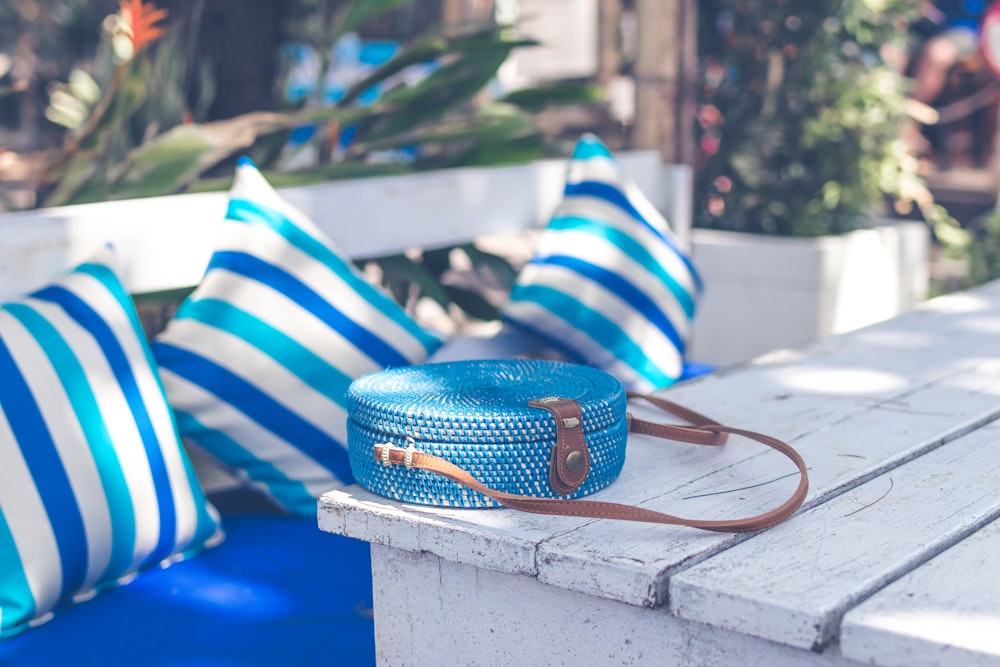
[574,461]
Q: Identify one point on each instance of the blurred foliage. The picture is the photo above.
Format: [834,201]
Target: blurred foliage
[41,41]
[980,264]
[129,130]
[130,134]
[801,120]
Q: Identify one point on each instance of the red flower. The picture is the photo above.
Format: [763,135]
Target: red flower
[142,19]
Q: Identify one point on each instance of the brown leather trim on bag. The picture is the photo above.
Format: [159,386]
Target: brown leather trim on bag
[604,510]
[570,462]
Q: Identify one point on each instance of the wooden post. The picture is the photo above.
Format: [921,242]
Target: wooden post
[460,11]
[666,77]
[452,11]
[608,55]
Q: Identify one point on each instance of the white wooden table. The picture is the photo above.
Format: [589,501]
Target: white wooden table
[893,560]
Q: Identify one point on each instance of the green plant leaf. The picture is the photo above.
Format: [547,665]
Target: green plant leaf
[131,95]
[78,172]
[474,66]
[169,162]
[437,260]
[350,116]
[495,264]
[444,89]
[360,11]
[513,150]
[472,302]
[402,269]
[555,94]
[429,48]
[490,123]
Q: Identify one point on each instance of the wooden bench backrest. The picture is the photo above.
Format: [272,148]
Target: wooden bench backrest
[165,242]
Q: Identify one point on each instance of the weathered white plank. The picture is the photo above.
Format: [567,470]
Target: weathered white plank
[486,538]
[856,406]
[165,242]
[162,242]
[946,612]
[794,583]
[429,611]
[633,563]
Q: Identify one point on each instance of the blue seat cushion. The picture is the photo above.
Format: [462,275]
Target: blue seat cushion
[278,591]
[693,369]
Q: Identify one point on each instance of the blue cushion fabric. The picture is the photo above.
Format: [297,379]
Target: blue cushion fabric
[94,482]
[610,284]
[278,592]
[257,360]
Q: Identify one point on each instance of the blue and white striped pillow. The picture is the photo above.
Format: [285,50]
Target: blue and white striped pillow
[257,360]
[609,284]
[94,482]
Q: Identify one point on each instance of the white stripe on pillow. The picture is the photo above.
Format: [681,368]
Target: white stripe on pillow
[602,213]
[258,358]
[268,462]
[269,309]
[600,332]
[333,279]
[32,535]
[309,395]
[605,255]
[538,317]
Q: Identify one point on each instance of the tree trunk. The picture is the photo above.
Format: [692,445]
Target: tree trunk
[241,40]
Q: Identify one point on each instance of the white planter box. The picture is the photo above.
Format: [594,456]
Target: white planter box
[764,293]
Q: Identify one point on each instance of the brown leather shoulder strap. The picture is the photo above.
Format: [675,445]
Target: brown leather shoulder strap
[704,431]
[697,436]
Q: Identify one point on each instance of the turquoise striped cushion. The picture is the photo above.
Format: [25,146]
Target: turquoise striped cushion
[609,284]
[94,483]
[257,360]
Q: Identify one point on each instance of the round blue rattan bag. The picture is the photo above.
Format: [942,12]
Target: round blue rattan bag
[476,414]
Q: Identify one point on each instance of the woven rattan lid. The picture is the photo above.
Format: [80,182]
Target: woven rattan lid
[468,401]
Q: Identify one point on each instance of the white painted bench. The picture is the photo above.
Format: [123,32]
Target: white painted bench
[892,561]
[165,242]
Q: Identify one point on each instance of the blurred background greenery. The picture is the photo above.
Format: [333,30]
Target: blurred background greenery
[153,99]
[796,119]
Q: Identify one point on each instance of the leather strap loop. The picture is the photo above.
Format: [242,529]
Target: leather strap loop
[696,436]
[570,456]
[705,431]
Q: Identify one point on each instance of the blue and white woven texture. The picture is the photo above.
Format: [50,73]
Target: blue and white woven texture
[257,360]
[475,414]
[94,483]
[609,284]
